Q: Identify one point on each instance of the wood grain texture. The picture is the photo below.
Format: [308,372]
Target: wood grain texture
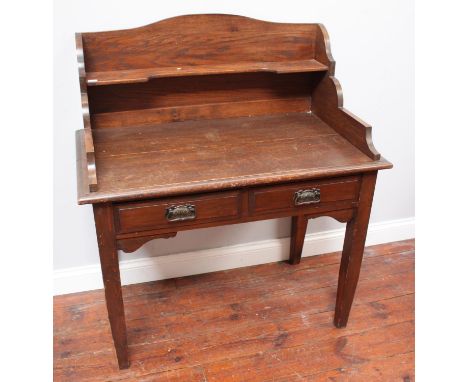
[265,323]
[298,231]
[91,177]
[197,91]
[249,67]
[213,209]
[190,98]
[134,217]
[104,219]
[132,244]
[197,156]
[323,49]
[144,75]
[198,40]
[149,117]
[341,211]
[327,101]
[327,104]
[282,197]
[353,249]
[205,120]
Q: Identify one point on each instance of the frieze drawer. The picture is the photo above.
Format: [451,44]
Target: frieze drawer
[174,212]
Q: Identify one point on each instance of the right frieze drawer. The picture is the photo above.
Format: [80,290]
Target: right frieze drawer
[305,195]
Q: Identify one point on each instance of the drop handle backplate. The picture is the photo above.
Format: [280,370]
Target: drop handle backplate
[181,213]
[310,196]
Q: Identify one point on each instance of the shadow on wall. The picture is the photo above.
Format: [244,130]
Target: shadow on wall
[215,237]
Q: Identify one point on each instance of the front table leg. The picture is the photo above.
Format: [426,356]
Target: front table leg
[353,250]
[104,219]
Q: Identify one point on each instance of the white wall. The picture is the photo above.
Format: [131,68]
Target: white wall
[372,43]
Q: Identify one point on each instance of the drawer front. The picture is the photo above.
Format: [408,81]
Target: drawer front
[304,195]
[164,213]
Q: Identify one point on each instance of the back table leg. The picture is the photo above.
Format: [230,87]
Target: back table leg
[298,231]
[104,219]
[353,250]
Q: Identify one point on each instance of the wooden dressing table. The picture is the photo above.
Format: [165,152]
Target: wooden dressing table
[207,120]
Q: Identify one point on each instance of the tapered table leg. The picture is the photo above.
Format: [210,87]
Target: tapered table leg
[353,250]
[298,231]
[104,220]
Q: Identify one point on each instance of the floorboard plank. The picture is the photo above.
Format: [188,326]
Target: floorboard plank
[270,322]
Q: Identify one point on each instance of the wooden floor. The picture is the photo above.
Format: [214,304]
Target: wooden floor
[269,322]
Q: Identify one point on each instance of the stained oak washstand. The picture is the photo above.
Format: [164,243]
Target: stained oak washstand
[207,120]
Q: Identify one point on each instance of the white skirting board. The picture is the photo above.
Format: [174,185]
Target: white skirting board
[79,279]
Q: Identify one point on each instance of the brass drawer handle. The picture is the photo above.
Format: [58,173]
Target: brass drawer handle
[307,196]
[181,213]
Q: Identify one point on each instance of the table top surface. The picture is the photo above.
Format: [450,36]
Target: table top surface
[177,158]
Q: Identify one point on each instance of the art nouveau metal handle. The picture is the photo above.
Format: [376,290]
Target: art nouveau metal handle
[181,213]
[307,196]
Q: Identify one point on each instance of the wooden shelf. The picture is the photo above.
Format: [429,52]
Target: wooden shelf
[144,75]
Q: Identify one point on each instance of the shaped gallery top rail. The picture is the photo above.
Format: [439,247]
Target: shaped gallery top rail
[203,45]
